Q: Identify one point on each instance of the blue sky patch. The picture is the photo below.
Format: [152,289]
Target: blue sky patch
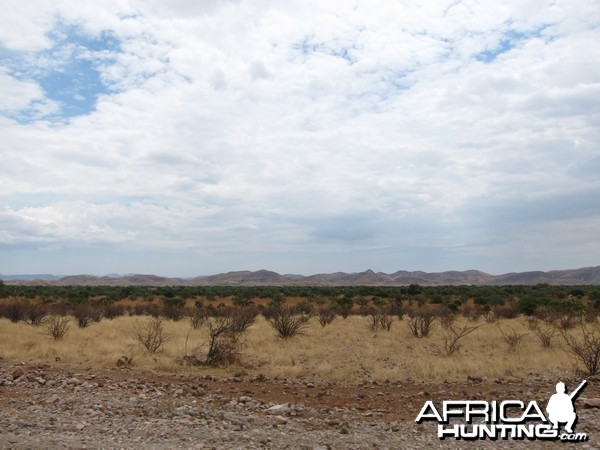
[506,44]
[509,40]
[69,72]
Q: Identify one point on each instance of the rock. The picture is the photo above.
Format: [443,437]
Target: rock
[310,385]
[80,426]
[178,393]
[17,372]
[53,399]
[591,402]
[280,420]
[282,409]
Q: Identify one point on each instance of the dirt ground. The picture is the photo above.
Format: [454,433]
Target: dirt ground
[65,406]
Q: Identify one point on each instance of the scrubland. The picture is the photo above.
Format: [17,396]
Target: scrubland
[346,350]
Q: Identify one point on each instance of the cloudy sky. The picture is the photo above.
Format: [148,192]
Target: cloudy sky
[189,137]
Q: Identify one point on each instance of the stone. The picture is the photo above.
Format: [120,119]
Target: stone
[280,420]
[53,399]
[279,409]
[17,373]
[591,403]
[178,393]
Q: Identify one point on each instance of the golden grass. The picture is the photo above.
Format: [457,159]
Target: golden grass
[344,351]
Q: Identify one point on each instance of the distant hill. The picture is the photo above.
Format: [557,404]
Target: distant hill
[39,276]
[586,275]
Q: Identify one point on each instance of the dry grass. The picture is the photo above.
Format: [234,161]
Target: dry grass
[345,350]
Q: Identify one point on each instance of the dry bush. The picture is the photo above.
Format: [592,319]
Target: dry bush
[381,319]
[35,313]
[489,316]
[447,319]
[591,314]
[13,310]
[545,336]
[454,334]
[286,321]
[326,316]
[585,349]
[197,317]
[512,338]
[566,321]
[242,319]
[174,312]
[85,314]
[224,343]
[420,324]
[57,326]
[151,334]
[505,311]
[114,310]
[556,318]
[532,323]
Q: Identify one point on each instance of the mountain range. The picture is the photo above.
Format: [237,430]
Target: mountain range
[582,276]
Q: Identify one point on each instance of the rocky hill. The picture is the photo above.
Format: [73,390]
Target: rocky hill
[586,275]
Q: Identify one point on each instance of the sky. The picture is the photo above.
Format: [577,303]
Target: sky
[186,137]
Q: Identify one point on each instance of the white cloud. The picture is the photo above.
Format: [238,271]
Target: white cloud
[269,130]
[16,94]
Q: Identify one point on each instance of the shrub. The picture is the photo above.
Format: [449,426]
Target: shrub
[13,310]
[512,338]
[532,322]
[57,326]
[453,336]
[197,317]
[286,321]
[420,324]
[151,334]
[586,349]
[381,318]
[86,314]
[528,305]
[173,307]
[505,311]
[114,310]
[545,336]
[326,316]
[242,319]
[447,319]
[35,313]
[224,343]
[344,306]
